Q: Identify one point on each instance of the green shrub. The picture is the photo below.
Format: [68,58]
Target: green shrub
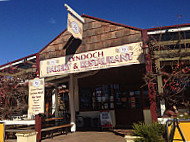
[149,132]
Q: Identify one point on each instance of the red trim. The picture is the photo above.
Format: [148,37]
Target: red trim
[168,27]
[18,60]
[144,38]
[52,40]
[118,24]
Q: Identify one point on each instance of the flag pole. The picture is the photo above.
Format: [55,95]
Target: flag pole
[69,9]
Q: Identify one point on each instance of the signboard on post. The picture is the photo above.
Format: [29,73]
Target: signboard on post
[2,132]
[105,119]
[36,96]
[124,55]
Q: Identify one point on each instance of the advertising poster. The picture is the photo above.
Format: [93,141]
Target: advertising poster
[36,96]
[105,119]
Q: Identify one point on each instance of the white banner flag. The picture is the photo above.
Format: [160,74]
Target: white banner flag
[74,26]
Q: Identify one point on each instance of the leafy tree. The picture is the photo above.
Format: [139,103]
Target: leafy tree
[14,91]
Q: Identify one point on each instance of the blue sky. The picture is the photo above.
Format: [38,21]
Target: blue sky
[26,26]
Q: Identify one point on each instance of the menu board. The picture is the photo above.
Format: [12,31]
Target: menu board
[36,96]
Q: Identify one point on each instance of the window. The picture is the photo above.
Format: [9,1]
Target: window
[98,98]
[107,97]
[128,100]
[86,98]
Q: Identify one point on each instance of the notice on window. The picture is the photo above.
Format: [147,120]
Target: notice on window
[36,96]
[2,132]
[105,119]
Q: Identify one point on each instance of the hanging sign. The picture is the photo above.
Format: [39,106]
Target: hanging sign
[105,119]
[74,26]
[93,60]
[2,132]
[36,96]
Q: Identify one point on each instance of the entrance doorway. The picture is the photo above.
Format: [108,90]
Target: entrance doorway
[129,96]
[128,107]
[117,90]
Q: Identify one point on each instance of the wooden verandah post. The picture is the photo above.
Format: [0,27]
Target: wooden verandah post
[151,87]
[71,102]
[38,124]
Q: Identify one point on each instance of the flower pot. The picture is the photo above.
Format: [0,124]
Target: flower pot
[26,136]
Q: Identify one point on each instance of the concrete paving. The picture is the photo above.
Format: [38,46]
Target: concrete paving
[88,136]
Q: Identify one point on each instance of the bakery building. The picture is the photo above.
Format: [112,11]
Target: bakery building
[104,72]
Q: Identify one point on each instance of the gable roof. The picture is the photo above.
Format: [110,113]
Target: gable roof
[53,40]
[101,20]
[95,18]
[114,23]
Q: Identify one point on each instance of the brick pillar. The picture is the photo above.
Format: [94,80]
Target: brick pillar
[38,127]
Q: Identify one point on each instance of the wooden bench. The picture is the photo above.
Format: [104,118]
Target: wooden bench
[61,129]
[15,130]
[51,119]
[49,128]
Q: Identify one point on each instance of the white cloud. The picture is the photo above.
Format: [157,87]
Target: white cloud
[52,21]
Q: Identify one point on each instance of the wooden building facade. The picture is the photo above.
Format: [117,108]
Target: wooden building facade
[106,77]
[116,89]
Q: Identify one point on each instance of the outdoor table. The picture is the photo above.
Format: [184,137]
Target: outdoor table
[18,122]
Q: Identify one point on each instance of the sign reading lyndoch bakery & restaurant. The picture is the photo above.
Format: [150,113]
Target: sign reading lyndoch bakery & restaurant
[36,96]
[93,60]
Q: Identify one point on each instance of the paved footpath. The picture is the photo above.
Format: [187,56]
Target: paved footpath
[84,137]
[87,137]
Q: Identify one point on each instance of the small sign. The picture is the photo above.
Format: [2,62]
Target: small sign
[36,96]
[105,119]
[2,132]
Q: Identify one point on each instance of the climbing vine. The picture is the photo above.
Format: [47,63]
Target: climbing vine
[14,91]
[170,55]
